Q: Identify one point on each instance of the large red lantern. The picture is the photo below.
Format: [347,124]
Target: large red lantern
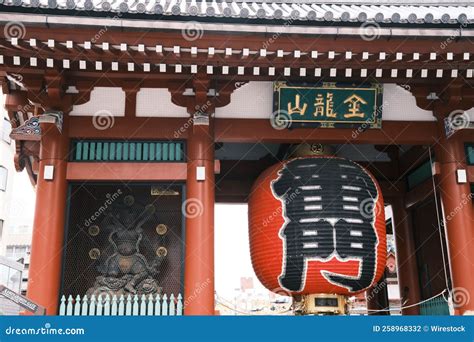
[317,225]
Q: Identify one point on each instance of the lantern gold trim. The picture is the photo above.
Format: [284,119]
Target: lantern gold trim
[323,304]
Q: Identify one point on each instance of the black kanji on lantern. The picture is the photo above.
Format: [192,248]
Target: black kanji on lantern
[325,205]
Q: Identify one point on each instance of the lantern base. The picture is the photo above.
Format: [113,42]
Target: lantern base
[322,304]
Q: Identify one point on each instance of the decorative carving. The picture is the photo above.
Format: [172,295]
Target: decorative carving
[94,253]
[30,130]
[161,229]
[54,117]
[126,270]
[94,230]
[162,251]
[458,94]
[161,191]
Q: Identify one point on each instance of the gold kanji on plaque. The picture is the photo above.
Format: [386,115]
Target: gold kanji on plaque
[297,109]
[324,108]
[330,113]
[354,102]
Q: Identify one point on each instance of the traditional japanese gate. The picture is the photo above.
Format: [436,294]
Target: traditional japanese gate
[84,88]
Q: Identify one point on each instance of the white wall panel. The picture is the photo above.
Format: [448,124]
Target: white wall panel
[253,100]
[157,102]
[400,105]
[103,99]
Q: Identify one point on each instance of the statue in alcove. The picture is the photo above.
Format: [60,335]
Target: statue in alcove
[125,270]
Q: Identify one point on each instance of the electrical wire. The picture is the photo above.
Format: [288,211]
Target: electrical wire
[220,299]
[416,304]
[438,218]
[443,252]
[382,310]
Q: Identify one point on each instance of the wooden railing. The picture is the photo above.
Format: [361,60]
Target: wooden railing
[104,305]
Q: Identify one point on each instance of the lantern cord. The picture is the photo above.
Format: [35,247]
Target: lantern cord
[416,304]
[439,218]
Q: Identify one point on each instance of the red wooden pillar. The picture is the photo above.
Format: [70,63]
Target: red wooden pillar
[48,227]
[199,212]
[458,217]
[407,268]
[377,298]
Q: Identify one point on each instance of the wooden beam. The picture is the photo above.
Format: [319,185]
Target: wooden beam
[391,189]
[126,171]
[419,193]
[256,130]
[260,130]
[233,191]
[413,158]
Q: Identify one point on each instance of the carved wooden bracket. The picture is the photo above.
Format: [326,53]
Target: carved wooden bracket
[45,97]
[55,88]
[131,89]
[29,131]
[203,102]
[444,97]
[84,95]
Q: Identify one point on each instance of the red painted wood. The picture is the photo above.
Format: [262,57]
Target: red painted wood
[199,213]
[48,226]
[255,130]
[126,171]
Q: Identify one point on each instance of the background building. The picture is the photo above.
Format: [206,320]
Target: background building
[7,171]
[17,198]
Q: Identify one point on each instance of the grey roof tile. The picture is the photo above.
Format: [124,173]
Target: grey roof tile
[303,10]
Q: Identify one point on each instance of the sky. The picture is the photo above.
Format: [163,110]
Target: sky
[232,252]
[22,203]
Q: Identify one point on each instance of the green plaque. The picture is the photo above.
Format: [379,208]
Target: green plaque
[328,105]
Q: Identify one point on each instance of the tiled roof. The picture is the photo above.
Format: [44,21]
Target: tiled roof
[294,11]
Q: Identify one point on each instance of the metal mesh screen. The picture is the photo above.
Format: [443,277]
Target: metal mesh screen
[123,239]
